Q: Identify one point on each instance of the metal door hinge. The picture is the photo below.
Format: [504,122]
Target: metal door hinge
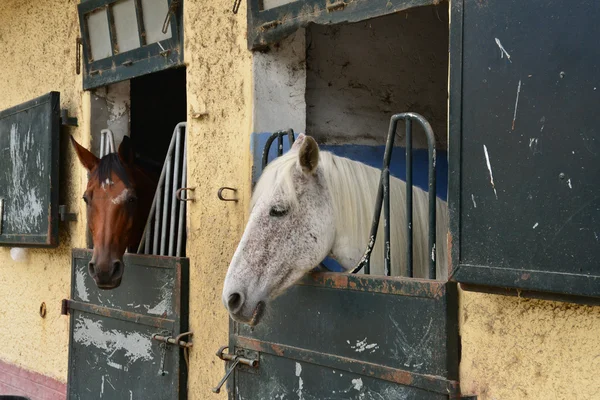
[64,215]
[236,360]
[65,120]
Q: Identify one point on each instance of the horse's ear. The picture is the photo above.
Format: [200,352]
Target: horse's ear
[126,151]
[298,142]
[308,157]
[88,160]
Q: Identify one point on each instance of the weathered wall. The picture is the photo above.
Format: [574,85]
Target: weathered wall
[219,84]
[359,75]
[520,349]
[37,39]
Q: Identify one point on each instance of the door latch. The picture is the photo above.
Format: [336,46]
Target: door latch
[235,361]
[169,340]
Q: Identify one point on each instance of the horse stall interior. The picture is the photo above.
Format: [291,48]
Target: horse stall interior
[371,336]
[126,331]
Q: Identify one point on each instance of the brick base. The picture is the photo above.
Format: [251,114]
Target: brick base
[17,381]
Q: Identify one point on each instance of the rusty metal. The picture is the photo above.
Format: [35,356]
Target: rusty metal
[175,341]
[220,194]
[403,377]
[68,305]
[170,13]
[398,285]
[236,6]
[236,360]
[78,44]
[337,6]
[269,25]
[178,193]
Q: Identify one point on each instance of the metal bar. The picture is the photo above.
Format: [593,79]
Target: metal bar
[409,200]
[118,314]
[383,195]
[279,145]
[279,135]
[157,198]
[102,135]
[429,383]
[365,262]
[157,213]
[165,215]
[173,217]
[183,206]
[397,285]
[432,201]
[386,222]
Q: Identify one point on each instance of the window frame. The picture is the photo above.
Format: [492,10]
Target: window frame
[266,27]
[143,60]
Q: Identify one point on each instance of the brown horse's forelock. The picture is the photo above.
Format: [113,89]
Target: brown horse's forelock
[108,164]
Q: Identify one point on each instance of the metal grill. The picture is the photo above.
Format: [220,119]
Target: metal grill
[107,142]
[383,193]
[164,233]
[383,198]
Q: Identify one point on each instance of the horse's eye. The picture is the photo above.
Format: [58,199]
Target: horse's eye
[278,212]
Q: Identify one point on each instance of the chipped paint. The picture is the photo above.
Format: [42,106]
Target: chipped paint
[357,384]
[516,105]
[569,183]
[134,346]
[489,166]
[300,382]
[363,345]
[27,209]
[535,225]
[164,305]
[503,50]
[473,199]
[80,287]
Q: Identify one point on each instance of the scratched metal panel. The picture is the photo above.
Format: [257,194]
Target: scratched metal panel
[29,138]
[111,351]
[525,166]
[268,25]
[283,378]
[396,335]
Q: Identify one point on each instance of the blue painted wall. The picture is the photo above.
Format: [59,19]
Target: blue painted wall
[370,155]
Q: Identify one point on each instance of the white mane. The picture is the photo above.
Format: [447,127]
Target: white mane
[353,188]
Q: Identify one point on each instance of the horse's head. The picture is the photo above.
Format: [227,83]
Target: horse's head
[111,201]
[290,230]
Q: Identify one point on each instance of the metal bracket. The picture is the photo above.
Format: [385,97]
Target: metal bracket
[184,189]
[235,361]
[64,215]
[65,120]
[220,194]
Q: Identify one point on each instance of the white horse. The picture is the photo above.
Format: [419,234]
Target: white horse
[310,204]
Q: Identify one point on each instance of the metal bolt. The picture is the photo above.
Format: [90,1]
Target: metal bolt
[561,175]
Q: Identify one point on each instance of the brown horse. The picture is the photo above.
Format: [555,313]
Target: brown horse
[119,195]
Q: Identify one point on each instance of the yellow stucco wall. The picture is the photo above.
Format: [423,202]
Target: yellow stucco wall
[37,41]
[516,349]
[219,83]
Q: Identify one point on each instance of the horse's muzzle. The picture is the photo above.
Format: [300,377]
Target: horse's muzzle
[106,275]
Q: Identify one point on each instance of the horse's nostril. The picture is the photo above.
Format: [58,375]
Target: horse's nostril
[117,268]
[235,302]
[92,268]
